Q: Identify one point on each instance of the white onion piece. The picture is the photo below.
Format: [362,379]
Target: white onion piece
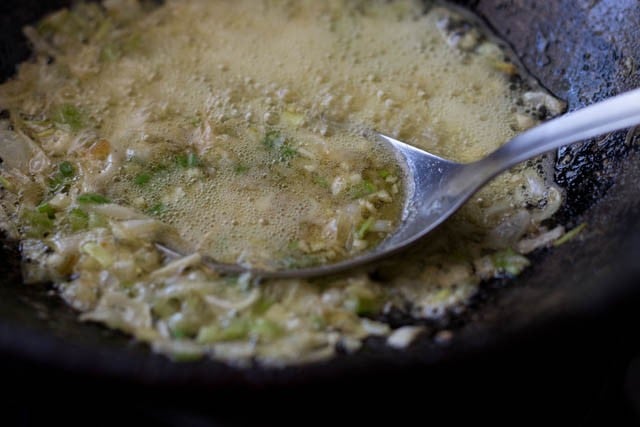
[146,229]
[177,266]
[15,151]
[404,336]
[115,211]
[234,305]
[383,226]
[510,230]
[525,246]
[120,311]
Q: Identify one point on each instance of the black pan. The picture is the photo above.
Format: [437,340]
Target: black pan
[552,327]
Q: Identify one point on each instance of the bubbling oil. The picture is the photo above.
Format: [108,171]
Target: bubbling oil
[319,193]
[271,198]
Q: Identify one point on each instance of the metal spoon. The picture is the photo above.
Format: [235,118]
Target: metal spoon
[436,188]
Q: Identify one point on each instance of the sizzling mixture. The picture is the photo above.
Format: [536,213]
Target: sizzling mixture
[234,129]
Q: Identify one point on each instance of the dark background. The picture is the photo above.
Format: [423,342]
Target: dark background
[560,344]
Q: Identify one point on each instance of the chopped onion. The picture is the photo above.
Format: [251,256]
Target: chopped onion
[177,266]
[525,246]
[234,305]
[115,211]
[119,311]
[15,150]
[404,336]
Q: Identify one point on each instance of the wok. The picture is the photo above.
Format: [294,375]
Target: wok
[552,328]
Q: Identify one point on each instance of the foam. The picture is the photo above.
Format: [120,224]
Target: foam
[357,67]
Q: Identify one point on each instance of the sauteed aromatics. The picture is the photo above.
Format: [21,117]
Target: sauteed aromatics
[234,128]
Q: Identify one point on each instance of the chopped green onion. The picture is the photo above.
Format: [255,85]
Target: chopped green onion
[287,152]
[274,141]
[364,227]
[384,173]
[261,306]
[94,198]
[362,305]
[78,219]
[142,179]
[265,329]
[189,160]
[46,208]
[362,301]
[66,169]
[235,330]
[38,224]
[241,169]
[6,183]
[570,235]
[363,189]
[320,180]
[179,334]
[71,116]
[157,209]
[510,263]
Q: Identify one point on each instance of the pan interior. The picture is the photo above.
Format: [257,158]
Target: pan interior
[597,66]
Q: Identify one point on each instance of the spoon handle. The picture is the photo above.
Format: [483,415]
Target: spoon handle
[612,114]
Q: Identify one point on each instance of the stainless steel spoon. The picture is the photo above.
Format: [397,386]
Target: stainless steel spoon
[436,188]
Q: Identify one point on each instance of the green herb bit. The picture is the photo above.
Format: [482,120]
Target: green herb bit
[363,189]
[362,303]
[241,169]
[179,334]
[570,235]
[37,224]
[266,329]
[320,180]
[287,152]
[384,173]
[57,183]
[78,219]
[7,184]
[364,227]
[235,330]
[274,141]
[66,169]
[261,306]
[142,179]
[46,208]
[94,198]
[157,209]
[510,263]
[61,180]
[68,115]
[362,300]
[186,161]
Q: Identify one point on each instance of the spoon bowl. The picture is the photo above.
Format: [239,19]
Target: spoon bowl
[436,188]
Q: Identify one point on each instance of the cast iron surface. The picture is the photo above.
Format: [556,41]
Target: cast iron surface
[582,51]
